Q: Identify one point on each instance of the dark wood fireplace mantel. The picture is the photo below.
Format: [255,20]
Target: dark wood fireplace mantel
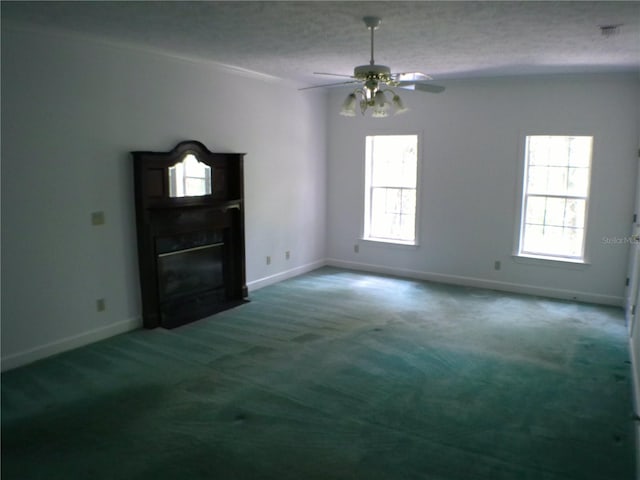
[191,249]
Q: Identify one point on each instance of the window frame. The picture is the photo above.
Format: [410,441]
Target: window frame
[551,259]
[366,192]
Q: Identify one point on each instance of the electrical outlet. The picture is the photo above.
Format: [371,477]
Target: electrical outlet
[97,218]
[101,306]
[268,260]
[287,255]
[356,248]
[497,265]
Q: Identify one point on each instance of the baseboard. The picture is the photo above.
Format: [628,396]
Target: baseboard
[481,283]
[28,356]
[279,277]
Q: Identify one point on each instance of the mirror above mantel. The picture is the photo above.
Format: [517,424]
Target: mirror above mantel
[189,178]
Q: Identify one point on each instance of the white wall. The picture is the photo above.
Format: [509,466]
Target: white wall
[472,154]
[72,109]
[633,311]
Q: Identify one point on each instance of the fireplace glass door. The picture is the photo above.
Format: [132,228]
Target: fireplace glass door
[190,271]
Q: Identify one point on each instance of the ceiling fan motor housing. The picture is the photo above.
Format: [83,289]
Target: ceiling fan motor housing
[372,72]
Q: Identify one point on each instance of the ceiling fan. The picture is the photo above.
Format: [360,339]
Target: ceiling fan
[374,80]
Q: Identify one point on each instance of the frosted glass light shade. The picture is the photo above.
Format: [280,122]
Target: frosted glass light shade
[349,106]
[397,102]
[380,99]
[380,112]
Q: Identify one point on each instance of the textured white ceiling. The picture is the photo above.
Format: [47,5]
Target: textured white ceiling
[291,40]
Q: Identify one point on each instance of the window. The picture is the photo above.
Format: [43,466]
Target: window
[391,176]
[555,196]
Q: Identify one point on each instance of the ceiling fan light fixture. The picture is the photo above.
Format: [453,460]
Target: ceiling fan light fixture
[375,80]
[377,100]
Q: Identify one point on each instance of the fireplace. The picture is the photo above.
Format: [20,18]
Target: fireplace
[190,222]
[189,266]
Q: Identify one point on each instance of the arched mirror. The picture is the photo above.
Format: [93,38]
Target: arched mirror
[189,178]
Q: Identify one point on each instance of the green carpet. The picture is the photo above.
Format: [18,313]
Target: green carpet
[337,375]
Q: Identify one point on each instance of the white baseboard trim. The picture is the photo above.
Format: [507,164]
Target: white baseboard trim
[481,283]
[279,277]
[28,356]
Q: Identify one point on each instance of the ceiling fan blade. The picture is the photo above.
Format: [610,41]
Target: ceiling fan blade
[333,74]
[421,87]
[428,87]
[410,77]
[330,85]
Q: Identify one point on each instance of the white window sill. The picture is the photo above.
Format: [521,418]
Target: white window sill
[382,241]
[541,260]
